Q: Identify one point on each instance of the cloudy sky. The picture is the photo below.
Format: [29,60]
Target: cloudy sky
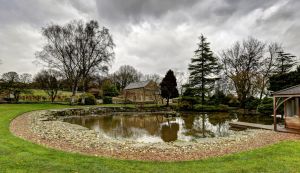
[151,35]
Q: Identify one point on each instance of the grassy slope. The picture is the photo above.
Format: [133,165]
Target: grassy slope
[17,155]
[39,92]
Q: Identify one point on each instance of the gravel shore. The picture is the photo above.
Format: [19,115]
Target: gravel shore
[34,126]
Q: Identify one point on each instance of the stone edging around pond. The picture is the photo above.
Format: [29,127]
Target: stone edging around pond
[45,128]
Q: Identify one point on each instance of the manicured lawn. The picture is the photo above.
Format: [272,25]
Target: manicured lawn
[17,155]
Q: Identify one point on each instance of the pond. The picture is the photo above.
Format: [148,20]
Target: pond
[159,127]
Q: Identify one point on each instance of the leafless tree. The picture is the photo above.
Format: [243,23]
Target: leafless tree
[154,77]
[95,48]
[125,75]
[13,85]
[180,78]
[26,78]
[241,64]
[11,77]
[76,49]
[49,81]
[267,68]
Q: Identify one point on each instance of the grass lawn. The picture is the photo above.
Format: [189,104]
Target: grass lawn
[17,155]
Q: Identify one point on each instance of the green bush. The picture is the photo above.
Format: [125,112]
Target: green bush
[252,103]
[266,109]
[267,100]
[187,102]
[107,100]
[219,98]
[89,99]
[184,105]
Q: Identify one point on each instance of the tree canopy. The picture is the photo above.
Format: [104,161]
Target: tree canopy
[77,49]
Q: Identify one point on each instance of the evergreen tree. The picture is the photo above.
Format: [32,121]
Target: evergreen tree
[168,86]
[284,62]
[285,80]
[202,68]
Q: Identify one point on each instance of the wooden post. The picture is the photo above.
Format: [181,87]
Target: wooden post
[274,113]
[285,113]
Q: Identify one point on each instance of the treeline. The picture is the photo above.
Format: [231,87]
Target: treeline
[77,57]
[241,75]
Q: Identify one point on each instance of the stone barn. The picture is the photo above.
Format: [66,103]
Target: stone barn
[143,92]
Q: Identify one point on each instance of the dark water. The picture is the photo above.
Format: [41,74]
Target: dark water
[145,127]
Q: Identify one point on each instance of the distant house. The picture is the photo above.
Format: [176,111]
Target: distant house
[145,91]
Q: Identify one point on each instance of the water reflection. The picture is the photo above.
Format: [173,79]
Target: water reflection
[158,127]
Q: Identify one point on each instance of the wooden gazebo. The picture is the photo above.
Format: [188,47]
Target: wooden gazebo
[289,97]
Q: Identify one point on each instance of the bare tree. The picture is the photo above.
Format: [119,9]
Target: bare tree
[49,81]
[267,68]
[26,78]
[76,49]
[11,77]
[126,75]
[241,65]
[13,84]
[154,77]
[95,46]
[180,78]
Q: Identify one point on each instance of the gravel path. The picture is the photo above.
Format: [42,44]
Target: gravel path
[74,138]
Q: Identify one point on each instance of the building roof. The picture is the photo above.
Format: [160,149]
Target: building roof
[294,90]
[136,85]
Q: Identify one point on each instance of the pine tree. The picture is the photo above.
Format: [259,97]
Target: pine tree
[284,62]
[203,68]
[168,86]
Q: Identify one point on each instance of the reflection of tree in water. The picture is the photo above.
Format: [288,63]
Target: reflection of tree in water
[220,120]
[188,121]
[195,125]
[169,132]
[126,126]
[188,125]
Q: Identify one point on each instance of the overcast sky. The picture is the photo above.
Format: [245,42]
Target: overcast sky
[151,35]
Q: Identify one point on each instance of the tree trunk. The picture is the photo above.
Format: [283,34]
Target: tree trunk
[83,92]
[74,91]
[168,101]
[203,125]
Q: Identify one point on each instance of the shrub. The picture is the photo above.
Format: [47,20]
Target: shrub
[107,100]
[266,109]
[184,105]
[187,102]
[219,98]
[89,99]
[267,100]
[252,103]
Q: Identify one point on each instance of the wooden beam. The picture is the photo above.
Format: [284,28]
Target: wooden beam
[278,103]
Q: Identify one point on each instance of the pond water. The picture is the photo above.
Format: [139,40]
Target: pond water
[149,127]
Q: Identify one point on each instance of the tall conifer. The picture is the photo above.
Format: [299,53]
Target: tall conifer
[203,68]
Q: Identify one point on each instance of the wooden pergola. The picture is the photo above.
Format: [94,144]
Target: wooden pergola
[289,97]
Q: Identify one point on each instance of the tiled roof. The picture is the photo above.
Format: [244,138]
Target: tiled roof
[135,85]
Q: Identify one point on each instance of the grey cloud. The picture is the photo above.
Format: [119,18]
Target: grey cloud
[136,10]
[151,35]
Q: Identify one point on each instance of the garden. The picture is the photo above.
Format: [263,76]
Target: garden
[18,155]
